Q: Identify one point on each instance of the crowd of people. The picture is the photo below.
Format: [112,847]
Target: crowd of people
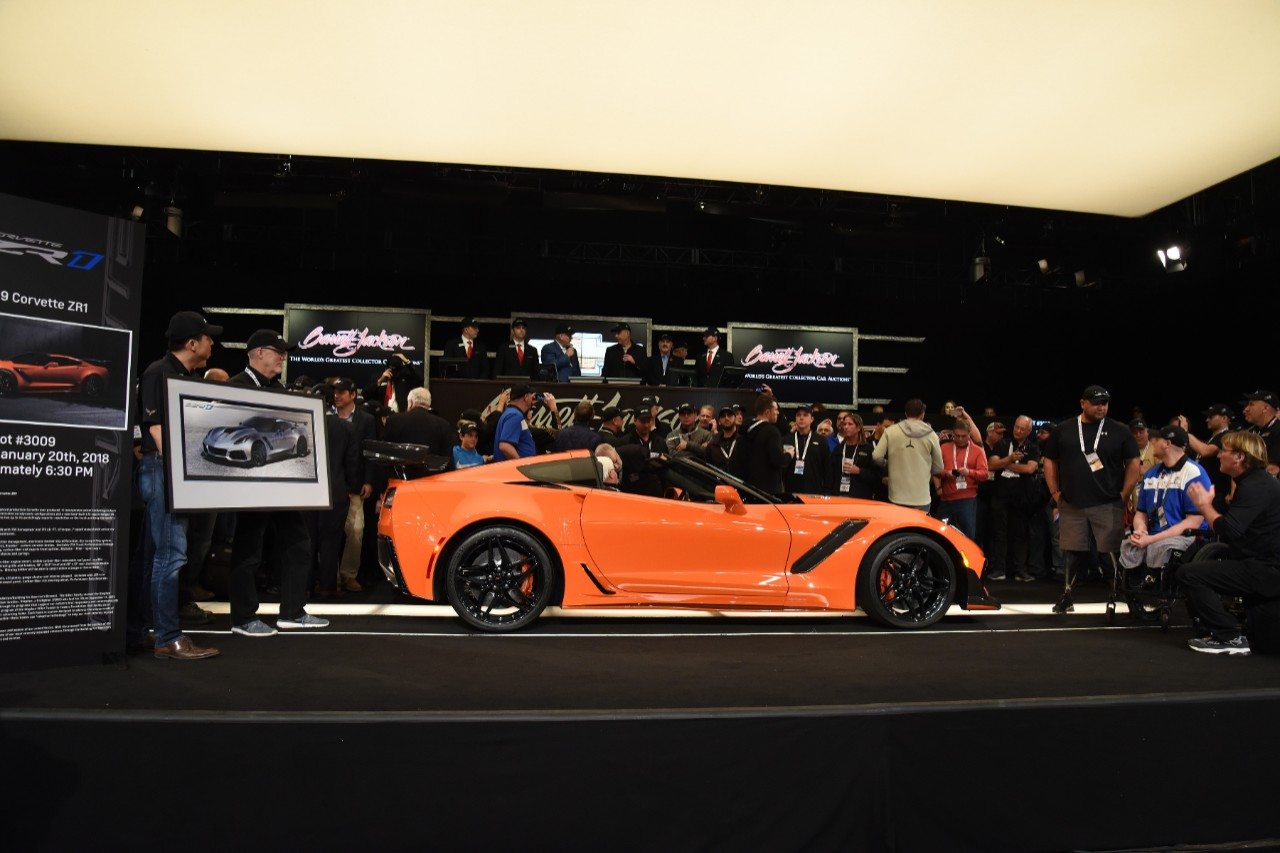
[1046,501]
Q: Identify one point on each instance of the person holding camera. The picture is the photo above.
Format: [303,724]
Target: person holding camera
[392,386]
[964,467]
[513,438]
[1015,462]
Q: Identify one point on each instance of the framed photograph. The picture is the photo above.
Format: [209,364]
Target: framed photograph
[234,448]
[64,374]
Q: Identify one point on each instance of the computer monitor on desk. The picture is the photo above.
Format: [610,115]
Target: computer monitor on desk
[731,376]
[450,366]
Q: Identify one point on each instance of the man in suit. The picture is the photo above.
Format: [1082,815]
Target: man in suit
[766,457]
[420,425]
[392,386]
[711,364]
[662,361]
[626,358]
[468,347]
[561,353]
[360,513]
[517,358]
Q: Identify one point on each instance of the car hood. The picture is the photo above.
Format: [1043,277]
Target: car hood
[231,434]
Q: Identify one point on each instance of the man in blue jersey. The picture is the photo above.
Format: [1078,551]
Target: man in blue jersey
[1165,515]
[513,439]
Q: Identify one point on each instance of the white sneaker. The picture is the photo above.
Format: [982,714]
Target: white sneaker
[306,620]
[254,628]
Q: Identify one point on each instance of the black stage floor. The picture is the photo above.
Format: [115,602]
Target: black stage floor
[994,731]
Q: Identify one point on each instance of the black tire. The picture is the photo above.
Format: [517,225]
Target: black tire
[1143,610]
[258,455]
[1211,551]
[499,579]
[301,447]
[93,387]
[8,384]
[909,582]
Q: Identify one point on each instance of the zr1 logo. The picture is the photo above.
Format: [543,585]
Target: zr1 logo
[77,260]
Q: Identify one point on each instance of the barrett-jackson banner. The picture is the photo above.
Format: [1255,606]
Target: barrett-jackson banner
[352,341]
[801,365]
[70,286]
[451,397]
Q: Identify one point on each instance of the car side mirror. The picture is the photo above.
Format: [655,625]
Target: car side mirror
[732,501]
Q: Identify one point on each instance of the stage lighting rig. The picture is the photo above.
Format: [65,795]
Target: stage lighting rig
[1172,258]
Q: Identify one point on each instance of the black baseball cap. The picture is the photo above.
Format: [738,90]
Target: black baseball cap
[1137,424]
[343,384]
[189,324]
[268,338]
[564,329]
[725,410]
[1219,409]
[1173,434]
[468,426]
[650,401]
[737,407]
[1047,426]
[643,415]
[610,412]
[804,407]
[620,327]
[519,321]
[1268,397]
[686,408]
[665,336]
[1096,394]
[711,330]
[522,389]
[469,321]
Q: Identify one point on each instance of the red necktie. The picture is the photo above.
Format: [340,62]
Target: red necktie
[709,359]
[520,353]
[391,393]
[468,349]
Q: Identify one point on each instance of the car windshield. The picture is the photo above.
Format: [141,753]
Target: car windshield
[260,424]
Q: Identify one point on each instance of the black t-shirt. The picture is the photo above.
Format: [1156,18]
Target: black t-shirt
[1009,483]
[1081,486]
[1212,466]
[1251,525]
[1270,434]
[151,395]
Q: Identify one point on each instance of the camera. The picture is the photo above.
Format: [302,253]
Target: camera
[539,397]
[955,472]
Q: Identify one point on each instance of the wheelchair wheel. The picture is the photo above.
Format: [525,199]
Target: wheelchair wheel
[1210,551]
[1111,613]
[1141,610]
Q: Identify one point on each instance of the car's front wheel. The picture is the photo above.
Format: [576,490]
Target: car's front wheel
[301,446]
[8,384]
[258,455]
[499,578]
[93,387]
[908,582]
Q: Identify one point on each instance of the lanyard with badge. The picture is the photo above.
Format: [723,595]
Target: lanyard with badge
[728,452]
[253,376]
[1095,462]
[961,482]
[799,469]
[846,462]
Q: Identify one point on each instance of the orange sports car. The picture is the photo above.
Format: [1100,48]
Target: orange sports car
[51,373]
[501,542]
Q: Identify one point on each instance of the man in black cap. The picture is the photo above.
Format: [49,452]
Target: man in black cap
[267,352]
[1090,467]
[1218,419]
[561,353]
[643,435]
[626,358]
[517,358]
[711,364]
[391,388]
[1260,412]
[806,468]
[688,436]
[1165,516]
[475,363]
[727,450]
[190,343]
[661,362]
[611,425]
[654,404]
[513,438]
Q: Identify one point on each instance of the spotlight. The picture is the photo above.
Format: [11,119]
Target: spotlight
[981,268]
[1044,266]
[1171,259]
[1082,280]
[173,220]
[137,212]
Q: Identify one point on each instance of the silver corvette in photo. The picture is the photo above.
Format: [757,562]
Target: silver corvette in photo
[256,441]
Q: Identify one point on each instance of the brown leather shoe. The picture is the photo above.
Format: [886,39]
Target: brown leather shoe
[351,585]
[183,649]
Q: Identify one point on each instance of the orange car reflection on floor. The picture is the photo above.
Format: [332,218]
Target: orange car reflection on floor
[501,542]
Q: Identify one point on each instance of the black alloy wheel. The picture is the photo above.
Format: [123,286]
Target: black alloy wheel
[301,446]
[8,384]
[93,387]
[258,455]
[909,582]
[499,579]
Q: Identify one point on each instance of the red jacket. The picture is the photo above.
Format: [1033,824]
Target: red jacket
[954,458]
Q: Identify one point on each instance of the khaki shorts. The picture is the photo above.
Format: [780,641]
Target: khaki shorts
[1106,522]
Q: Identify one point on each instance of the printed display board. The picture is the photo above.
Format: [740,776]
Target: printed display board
[70,287]
[336,340]
[813,364]
[244,448]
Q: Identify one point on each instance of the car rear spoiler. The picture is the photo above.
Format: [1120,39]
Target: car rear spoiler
[407,461]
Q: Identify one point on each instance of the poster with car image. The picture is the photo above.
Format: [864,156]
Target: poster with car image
[70,291]
[244,448]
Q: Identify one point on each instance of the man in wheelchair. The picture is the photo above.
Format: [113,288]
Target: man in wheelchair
[1251,529]
[1165,518]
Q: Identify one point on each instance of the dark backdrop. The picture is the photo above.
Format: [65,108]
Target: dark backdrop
[261,230]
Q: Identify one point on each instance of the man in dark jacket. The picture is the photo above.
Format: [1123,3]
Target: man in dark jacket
[806,471]
[517,358]
[626,358]
[579,435]
[661,362]
[325,525]
[420,425]
[467,346]
[728,449]
[711,364]
[361,512]
[392,386]
[766,459]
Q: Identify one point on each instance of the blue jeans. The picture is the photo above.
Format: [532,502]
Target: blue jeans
[961,514]
[169,535]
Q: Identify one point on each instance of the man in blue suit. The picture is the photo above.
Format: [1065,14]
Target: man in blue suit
[561,353]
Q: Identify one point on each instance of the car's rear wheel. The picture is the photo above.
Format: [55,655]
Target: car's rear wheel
[301,447]
[93,387]
[258,454]
[499,578]
[909,582]
[8,384]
